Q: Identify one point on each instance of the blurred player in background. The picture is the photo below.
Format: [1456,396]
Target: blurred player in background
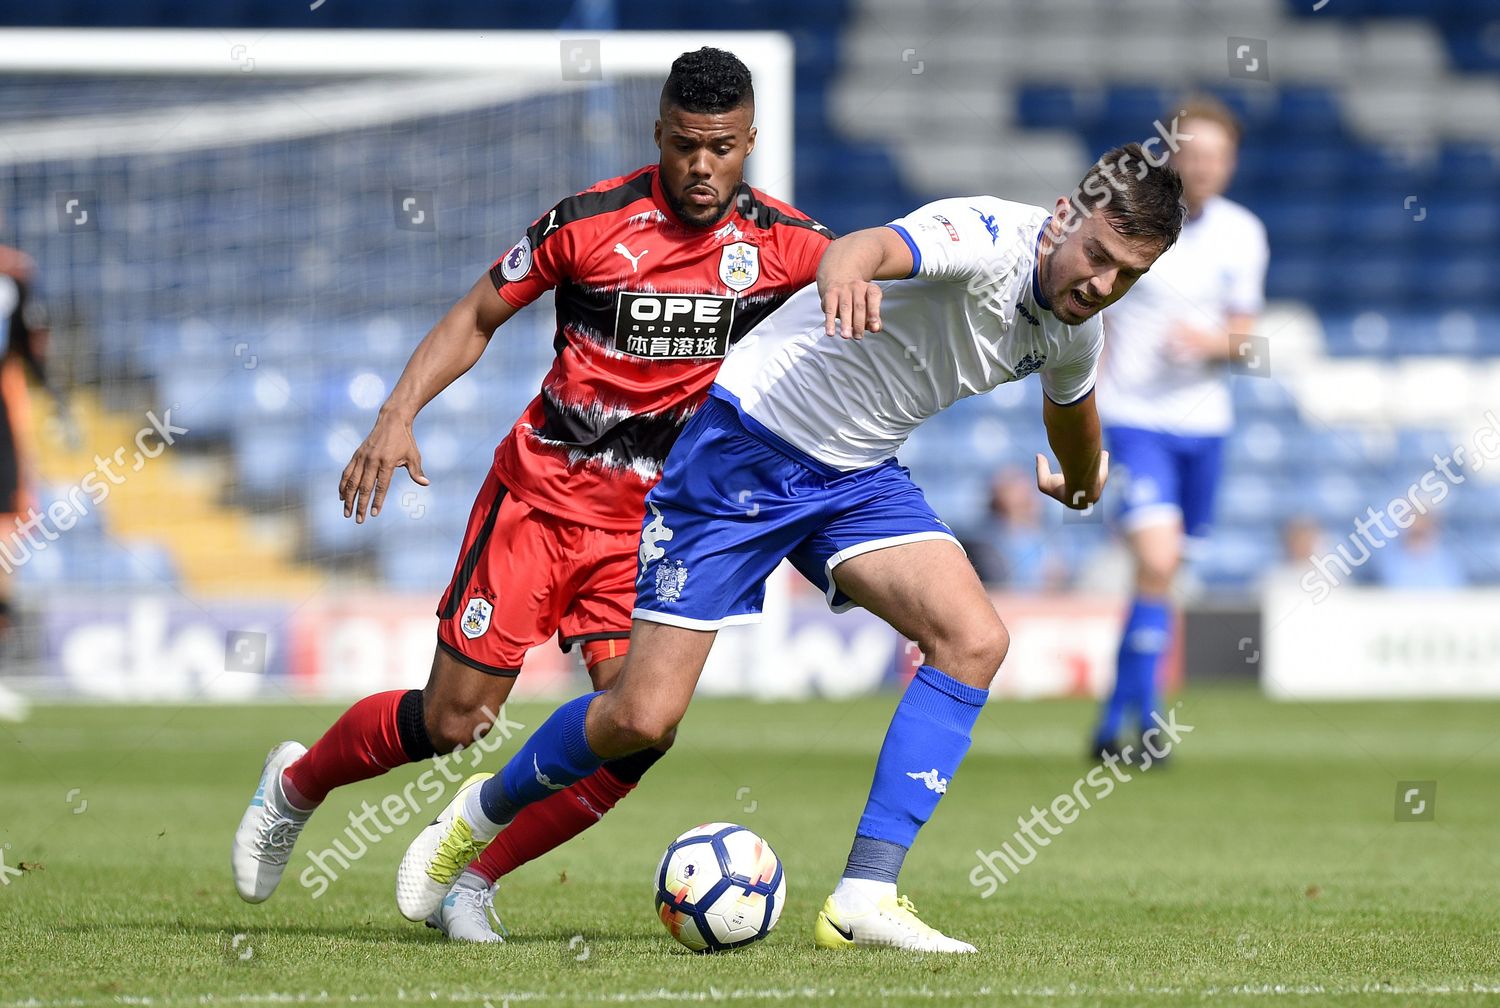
[657,274]
[972,293]
[23,345]
[1164,395]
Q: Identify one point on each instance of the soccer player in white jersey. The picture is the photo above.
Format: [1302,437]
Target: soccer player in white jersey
[1164,397]
[793,456]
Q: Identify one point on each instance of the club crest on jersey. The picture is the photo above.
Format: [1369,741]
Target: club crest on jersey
[739,266]
[671,575]
[476,618]
[1030,364]
[517,262]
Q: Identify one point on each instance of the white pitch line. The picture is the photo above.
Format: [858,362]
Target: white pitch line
[498,999]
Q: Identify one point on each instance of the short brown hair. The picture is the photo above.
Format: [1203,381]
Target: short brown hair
[1139,194]
[1200,105]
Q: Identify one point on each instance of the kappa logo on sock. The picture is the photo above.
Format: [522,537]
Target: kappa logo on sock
[542,778]
[932,780]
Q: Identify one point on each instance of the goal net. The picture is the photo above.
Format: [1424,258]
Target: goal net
[252,231]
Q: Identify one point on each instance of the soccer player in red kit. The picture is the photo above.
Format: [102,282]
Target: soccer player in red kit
[657,273]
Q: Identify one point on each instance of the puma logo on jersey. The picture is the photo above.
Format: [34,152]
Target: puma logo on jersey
[551,223]
[931,779]
[654,533]
[635,260]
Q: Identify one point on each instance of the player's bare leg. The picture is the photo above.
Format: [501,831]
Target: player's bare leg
[468,910]
[653,690]
[377,734]
[639,711]
[929,592]
[1156,552]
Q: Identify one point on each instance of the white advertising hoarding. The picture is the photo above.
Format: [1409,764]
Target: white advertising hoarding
[1372,644]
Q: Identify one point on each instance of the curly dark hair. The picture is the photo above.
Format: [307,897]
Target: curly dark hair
[708,81]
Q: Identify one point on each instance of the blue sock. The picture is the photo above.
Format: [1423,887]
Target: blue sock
[926,741]
[557,754]
[1148,630]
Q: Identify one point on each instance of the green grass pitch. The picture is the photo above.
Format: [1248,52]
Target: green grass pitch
[1266,865]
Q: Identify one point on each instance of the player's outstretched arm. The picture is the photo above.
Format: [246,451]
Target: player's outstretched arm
[447,351]
[1073,433]
[844,276]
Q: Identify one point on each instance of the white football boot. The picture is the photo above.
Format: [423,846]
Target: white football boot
[268,830]
[437,856]
[467,911]
[891,922]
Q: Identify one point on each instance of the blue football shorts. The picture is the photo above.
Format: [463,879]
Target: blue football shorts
[735,500]
[1166,476]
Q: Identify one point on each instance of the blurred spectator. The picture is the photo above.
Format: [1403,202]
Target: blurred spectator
[1017,550]
[1418,558]
[1302,538]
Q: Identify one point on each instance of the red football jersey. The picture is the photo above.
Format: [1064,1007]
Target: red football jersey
[646,309]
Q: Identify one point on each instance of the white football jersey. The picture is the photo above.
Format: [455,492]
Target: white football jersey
[970,318]
[1216,269]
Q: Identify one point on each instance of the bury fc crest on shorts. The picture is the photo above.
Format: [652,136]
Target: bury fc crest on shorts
[671,575]
[476,619]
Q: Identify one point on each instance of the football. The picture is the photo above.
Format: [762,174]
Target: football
[719,886]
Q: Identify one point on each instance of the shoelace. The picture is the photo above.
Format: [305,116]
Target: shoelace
[276,838]
[482,903]
[457,848]
[905,903]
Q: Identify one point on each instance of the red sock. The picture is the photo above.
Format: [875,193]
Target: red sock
[365,742]
[551,822]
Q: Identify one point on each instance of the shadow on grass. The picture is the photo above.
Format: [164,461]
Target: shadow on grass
[381,934]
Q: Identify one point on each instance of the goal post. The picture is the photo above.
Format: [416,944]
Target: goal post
[253,229]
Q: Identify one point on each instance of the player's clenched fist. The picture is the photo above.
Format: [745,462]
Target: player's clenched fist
[1054,485]
[851,308]
[367,477]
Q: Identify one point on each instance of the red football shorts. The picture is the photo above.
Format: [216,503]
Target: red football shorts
[524,575]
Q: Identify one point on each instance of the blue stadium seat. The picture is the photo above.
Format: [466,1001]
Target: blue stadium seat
[1297,274]
[1308,111]
[1234,559]
[1051,106]
[1133,108]
[1302,218]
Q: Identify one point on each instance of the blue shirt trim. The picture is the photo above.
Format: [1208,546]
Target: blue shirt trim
[1075,402]
[770,438]
[1036,270]
[916,253]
